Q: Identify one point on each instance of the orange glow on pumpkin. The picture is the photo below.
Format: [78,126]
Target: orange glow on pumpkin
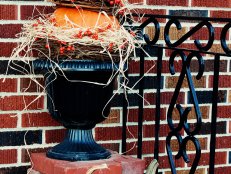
[83,18]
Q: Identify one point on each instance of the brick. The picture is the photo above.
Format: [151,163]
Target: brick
[8,120]
[134,66]
[223,111]
[9,30]
[14,170]
[189,13]
[206,128]
[205,110]
[148,114]
[224,81]
[55,136]
[8,156]
[8,12]
[209,66]
[173,33]
[223,142]
[140,2]
[220,14]
[168,3]
[26,153]
[8,85]
[216,48]
[6,48]
[28,11]
[206,96]
[149,66]
[149,130]
[21,102]
[149,82]
[112,146]
[113,117]
[220,158]
[229,99]
[29,85]
[222,170]
[172,81]
[198,171]
[165,98]
[190,146]
[211,3]
[150,12]
[148,147]
[177,66]
[229,126]
[41,119]
[188,46]
[12,138]
[114,133]
[203,34]
[151,32]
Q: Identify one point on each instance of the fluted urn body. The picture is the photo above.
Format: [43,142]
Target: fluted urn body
[78,99]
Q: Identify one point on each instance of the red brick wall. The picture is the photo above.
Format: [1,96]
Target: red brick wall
[41,132]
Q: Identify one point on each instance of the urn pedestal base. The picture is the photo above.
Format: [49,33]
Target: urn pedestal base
[78,145]
[117,164]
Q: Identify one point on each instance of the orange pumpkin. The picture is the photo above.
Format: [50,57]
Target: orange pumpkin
[83,18]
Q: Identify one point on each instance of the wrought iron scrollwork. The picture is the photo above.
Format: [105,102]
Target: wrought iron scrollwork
[189,34]
[205,25]
[185,71]
[223,38]
[157,31]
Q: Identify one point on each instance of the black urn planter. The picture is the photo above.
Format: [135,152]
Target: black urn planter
[79,106]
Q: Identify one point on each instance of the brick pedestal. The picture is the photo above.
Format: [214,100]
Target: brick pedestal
[117,164]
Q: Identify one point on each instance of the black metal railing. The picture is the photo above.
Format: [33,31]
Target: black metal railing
[186,55]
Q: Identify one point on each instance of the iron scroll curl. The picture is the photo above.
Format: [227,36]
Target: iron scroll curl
[224,32]
[157,31]
[183,113]
[192,31]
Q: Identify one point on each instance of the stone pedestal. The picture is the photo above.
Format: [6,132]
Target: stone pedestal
[117,164]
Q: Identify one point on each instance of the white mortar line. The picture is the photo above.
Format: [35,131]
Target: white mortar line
[190,3]
[18,21]
[19,121]
[20,76]
[43,136]
[18,85]
[31,129]
[19,12]
[8,94]
[19,156]
[9,40]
